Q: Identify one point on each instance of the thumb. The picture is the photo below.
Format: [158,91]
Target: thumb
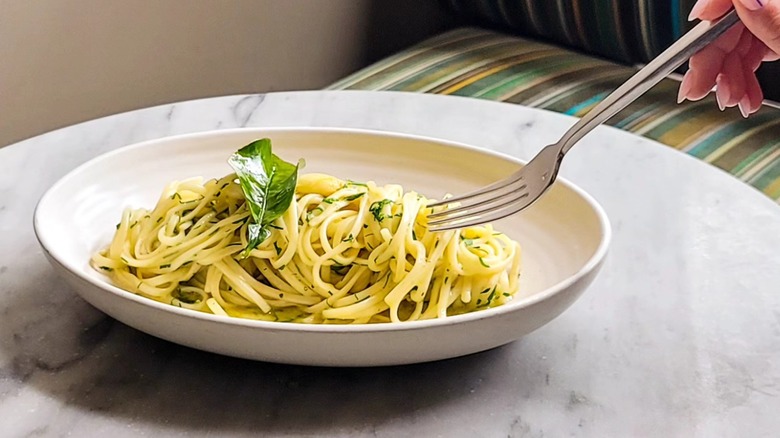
[762,18]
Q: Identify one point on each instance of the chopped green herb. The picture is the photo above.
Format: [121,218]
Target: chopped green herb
[313,213]
[414,235]
[482,262]
[106,268]
[506,294]
[117,226]
[377,209]
[329,200]
[492,294]
[278,250]
[276,227]
[355,183]
[349,238]
[351,198]
[165,266]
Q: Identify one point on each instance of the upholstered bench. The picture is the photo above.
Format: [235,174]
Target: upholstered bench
[590,47]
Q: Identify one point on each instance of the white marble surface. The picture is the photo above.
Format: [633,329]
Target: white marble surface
[679,336]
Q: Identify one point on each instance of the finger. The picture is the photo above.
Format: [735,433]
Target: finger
[763,19]
[708,63]
[722,91]
[704,69]
[755,97]
[771,56]
[729,41]
[709,9]
[755,55]
[734,72]
[745,43]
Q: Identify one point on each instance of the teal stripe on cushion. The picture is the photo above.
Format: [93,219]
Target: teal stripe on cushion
[676,19]
[583,105]
[728,132]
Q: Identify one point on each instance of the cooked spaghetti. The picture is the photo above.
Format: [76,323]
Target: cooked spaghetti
[342,252]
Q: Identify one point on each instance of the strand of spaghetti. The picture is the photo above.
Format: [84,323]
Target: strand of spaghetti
[233,278]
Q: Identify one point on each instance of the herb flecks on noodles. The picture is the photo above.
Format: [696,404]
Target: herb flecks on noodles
[266,244]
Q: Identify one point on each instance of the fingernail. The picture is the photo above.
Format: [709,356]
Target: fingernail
[685,87]
[744,106]
[753,107]
[696,10]
[752,5]
[722,94]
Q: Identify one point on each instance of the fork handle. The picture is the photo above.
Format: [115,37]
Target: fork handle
[656,70]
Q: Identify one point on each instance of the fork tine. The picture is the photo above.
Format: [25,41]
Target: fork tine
[507,192]
[485,215]
[515,203]
[511,179]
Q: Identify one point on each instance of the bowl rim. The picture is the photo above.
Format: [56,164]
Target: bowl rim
[590,265]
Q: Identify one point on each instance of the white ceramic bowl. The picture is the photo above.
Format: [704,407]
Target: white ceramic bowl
[564,237]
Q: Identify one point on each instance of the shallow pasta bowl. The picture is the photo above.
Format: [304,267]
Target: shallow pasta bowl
[564,238]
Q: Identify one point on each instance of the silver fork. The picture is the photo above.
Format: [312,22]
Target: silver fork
[524,187]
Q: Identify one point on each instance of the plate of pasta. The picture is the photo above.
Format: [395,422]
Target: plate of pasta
[310,246]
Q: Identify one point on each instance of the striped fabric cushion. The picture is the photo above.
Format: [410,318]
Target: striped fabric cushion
[630,31]
[626,31]
[488,65]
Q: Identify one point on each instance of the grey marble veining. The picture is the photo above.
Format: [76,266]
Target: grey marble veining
[679,335]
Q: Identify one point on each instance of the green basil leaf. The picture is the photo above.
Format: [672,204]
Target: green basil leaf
[268,183]
[257,235]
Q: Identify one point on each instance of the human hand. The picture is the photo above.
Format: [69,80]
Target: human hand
[729,64]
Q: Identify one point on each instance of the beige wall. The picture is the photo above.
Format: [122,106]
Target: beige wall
[64,61]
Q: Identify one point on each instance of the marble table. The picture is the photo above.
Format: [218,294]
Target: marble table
[678,336]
